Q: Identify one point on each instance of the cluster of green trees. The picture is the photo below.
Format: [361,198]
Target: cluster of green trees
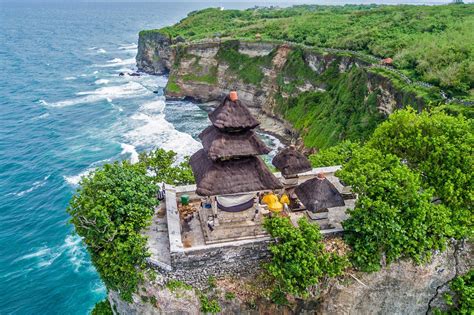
[414,183]
[429,43]
[112,207]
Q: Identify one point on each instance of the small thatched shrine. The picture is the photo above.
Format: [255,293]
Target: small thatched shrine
[229,173]
[290,163]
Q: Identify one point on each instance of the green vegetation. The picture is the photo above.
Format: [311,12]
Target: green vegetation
[109,211]
[249,69]
[102,308]
[209,305]
[172,86]
[336,155]
[415,186]
[229,296]
[393,218]
[164,167]
[298,257]
[112,207]
[210,78]
[461,298]
[429,43]
[440,148]
[175,285]
[346,110]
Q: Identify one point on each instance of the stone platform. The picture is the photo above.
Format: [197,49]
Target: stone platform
[179,247]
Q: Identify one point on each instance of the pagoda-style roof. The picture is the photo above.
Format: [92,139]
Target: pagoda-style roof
[317,194]
[221,145]
[232,176]
[291,162]
[232,116]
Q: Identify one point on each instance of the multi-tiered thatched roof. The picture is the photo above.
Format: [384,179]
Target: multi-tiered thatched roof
[223,145]
[232,116]
[228,163]
[291,162]
[231,177]
[319,193]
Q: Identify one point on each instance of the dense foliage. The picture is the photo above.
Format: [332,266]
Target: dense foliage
[164,168]
[113,206]
[109,210]
[336,155]
[440,148]
[431,43]
[461,298]
[299,259]
[394,217]
[102,308]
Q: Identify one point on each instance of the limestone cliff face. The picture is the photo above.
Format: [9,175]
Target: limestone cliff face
[401,288]
[200,72]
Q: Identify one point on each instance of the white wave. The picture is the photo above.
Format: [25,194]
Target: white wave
[153,107]
[70,78]
[117,62]
[130,149]
[74,180]
[43,257]
[41,252]
[34,186]
[75,252]
[42,116]
[92,48]
[102,81]
[109,93]
[132,46]
[42,102]
[101,51]
[154,131]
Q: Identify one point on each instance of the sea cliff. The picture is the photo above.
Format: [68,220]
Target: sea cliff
[326,96]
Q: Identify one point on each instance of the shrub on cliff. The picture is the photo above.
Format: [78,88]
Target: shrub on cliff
[394,216]
[299,259]
[163,167]
[461,298]
[112,207]
[440,148]
[336,155]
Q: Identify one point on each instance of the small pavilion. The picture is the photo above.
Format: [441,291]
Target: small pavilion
[229,173]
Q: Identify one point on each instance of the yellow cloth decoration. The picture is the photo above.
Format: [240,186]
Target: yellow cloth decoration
[272,201]
[284,199]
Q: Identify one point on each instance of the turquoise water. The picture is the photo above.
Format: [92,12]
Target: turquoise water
[64,111]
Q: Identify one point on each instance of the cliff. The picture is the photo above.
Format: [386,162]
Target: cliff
[401,288]
[326,96]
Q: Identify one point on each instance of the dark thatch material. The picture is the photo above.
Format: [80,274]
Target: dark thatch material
[232,116]
[232,176]
[291,162]
[317,194]
[221,145]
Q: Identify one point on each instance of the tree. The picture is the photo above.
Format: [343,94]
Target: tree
[336,155]
[298,256]
[393,217]
[440,148]
[163,167]
[110,209]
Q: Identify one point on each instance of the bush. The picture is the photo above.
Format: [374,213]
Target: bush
[393,217]
[102,308]
[336,155]
[461,301]
[209,305]
[440,148]
[163,167]
[298,256]
[109,211]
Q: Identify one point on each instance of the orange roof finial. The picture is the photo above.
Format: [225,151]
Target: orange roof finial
[233,96]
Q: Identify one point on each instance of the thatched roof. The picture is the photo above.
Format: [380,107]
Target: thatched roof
[232,176]
[219,145]
[232,115]
[290,162]
[317,194]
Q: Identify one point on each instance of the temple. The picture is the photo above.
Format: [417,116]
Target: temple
[230,174]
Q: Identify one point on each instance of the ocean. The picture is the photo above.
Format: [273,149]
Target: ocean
[64,111]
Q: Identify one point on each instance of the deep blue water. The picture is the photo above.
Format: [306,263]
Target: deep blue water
[64,111]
